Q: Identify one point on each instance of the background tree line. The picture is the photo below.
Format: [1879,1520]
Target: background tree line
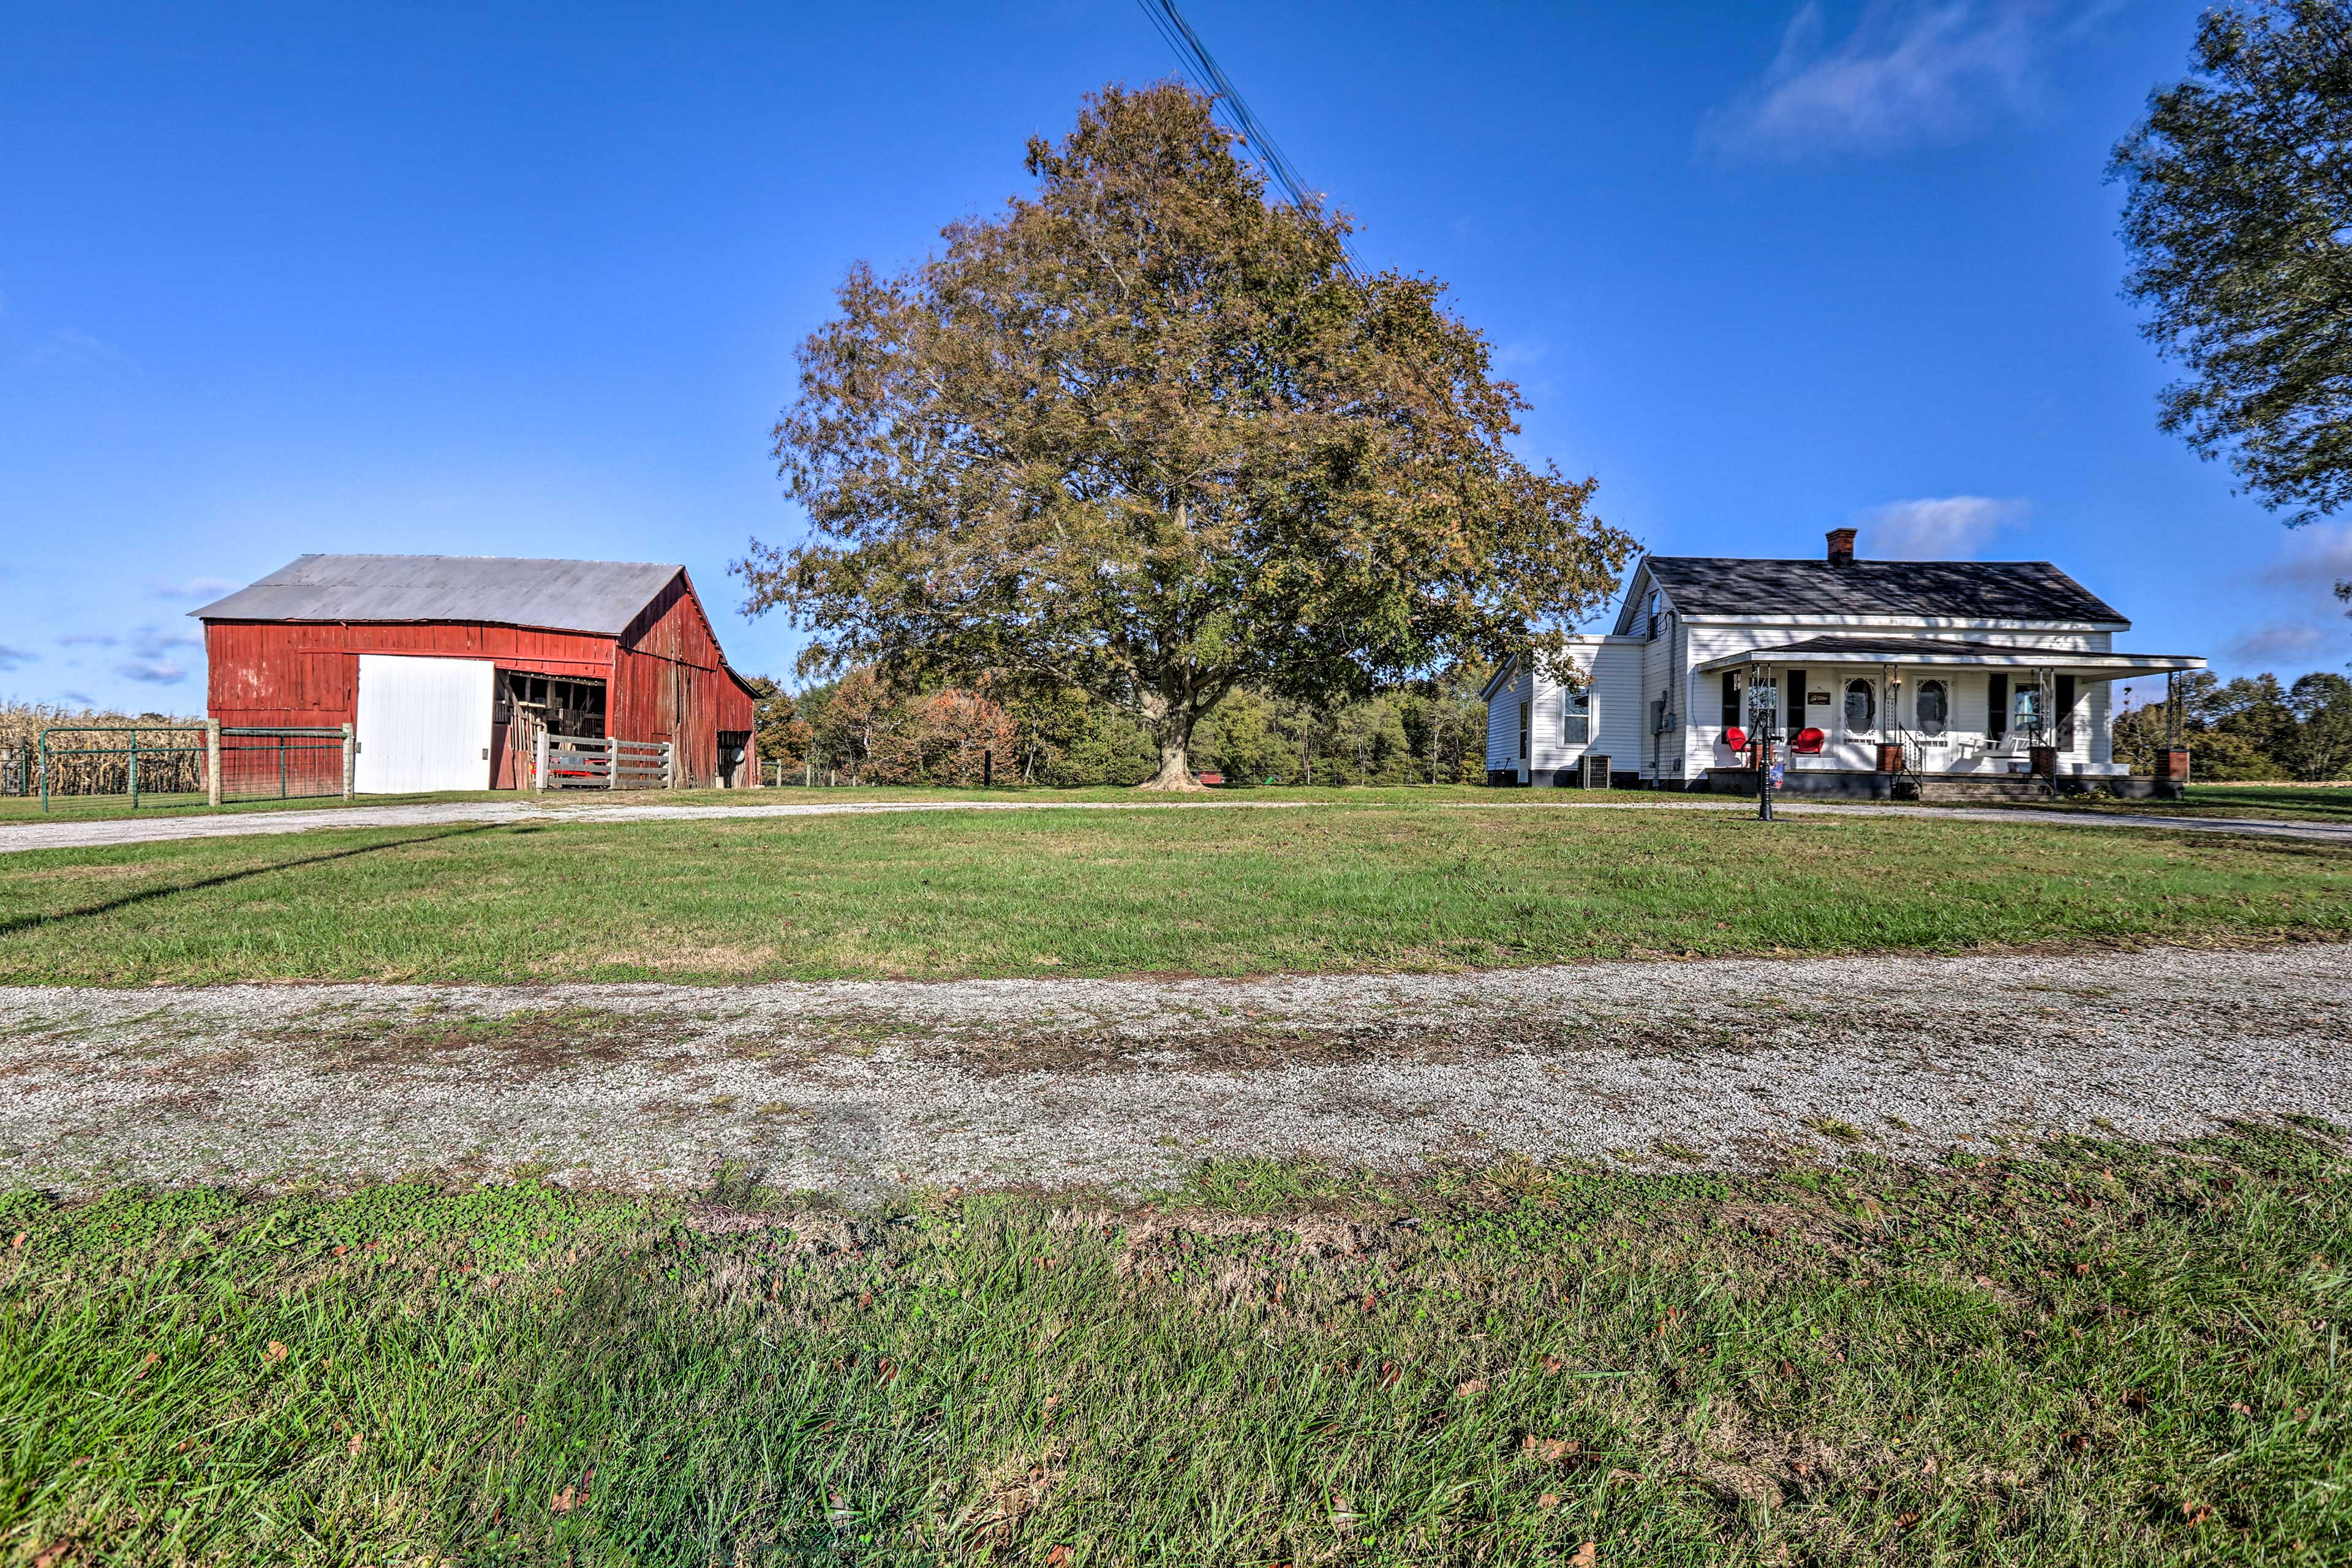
[863,727]
[2249,728]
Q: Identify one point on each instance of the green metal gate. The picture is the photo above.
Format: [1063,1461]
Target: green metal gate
[155,765]
[280,764]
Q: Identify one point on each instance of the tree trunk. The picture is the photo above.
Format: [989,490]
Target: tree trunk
[1173,731]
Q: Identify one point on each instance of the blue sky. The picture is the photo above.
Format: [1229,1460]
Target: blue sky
[514,280]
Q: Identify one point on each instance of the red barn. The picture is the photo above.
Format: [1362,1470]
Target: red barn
[448,665]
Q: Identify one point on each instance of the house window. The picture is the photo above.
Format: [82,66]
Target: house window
[1575,715]
[1996,706]
[1861,706]
[1527,714]
[1933,706]
[1731,699]
[1653,615]
[2066,697]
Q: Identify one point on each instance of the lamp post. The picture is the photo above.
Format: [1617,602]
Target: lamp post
[1764,714]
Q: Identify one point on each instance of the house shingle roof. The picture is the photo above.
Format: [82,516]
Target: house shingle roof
[599,596]
[1996,590]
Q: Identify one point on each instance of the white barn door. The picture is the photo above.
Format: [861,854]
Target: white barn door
[423,724]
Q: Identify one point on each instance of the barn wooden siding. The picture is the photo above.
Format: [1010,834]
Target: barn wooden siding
[670,683]
[664,665]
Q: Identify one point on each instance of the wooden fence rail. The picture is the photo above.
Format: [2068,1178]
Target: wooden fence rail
[574,762]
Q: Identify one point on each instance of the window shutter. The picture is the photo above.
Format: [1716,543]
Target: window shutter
[2065,713]
[1795,719]
[1996,706]
[1731,699]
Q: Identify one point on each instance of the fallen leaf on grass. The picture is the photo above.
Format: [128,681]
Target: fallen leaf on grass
[1047,959]
[274,1353]
[1549,1499]
[2195,1512]
[357,1444]
[1586,1555]
[17,1241]
[884,1373]
[564,1501]
[1390,1373]
[1552,1451]
[1469,1386]
[1056,1558]
[1905,1521]
[1555,1363]
[55,1556]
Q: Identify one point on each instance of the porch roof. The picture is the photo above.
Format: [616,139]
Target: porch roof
[1951,650]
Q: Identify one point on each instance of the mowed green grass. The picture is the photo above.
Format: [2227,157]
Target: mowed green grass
[2093,1354]
[2290,803]
[1115,891]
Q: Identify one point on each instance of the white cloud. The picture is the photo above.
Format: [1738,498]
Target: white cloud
[2319,556]
[2288,642]
[1911,71]
[152,671]
[151,641]
[195,588]
[84,697]
[1935,528]
[10,658]
[102,640]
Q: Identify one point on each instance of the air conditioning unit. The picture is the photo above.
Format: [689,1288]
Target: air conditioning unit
[1593,771]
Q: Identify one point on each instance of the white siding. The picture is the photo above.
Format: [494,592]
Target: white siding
[1618,721]
[1612,667]
[1503,722]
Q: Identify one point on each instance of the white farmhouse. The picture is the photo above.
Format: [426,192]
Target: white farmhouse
[1942,677]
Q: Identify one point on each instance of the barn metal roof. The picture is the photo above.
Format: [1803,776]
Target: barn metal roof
[1989,590]
[599,596]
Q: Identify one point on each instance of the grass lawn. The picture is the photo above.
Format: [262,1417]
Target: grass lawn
[2304,802]
[2085,1354]
[116,807]
[1065,892]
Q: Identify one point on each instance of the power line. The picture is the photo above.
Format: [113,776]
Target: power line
[1193,58]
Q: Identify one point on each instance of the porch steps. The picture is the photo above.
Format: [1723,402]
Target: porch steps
[1947,791]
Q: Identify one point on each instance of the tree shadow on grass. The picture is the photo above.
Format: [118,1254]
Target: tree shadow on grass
[26,923]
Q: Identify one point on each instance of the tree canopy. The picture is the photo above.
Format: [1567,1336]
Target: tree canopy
[1144,435]
[2239,220]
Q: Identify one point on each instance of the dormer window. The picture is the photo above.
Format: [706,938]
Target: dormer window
[1656,617]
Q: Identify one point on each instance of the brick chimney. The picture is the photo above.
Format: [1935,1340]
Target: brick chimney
[1840,546]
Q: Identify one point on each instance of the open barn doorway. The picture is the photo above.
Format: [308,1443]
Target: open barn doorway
[524,703]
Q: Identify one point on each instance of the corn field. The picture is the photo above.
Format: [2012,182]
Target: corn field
[170,759]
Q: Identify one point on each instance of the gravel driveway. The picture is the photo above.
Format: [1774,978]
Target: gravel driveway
[234,825]
[862,1088]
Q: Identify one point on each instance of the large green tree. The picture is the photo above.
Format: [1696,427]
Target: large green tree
[1144,435]
[2239,219]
